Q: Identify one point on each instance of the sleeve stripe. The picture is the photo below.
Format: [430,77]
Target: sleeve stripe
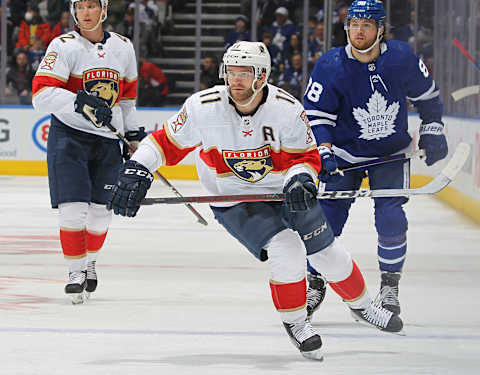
[323,122]
[312,112]
[425,95]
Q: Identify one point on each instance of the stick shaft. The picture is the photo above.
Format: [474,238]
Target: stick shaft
[466,53]
[382,160]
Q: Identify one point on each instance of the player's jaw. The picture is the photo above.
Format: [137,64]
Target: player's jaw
[240,92]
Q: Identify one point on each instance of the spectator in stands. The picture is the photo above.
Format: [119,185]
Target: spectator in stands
[275,56]
[116,12]
[10,27]
[36,53]
[267,8]
[153,86]
[291,79]
[17,11]
[209,74]
[338,31]
[19,78]
[282,29]
[62,26]
[125,28]
[400,20]
[33,26]
[295,47]
[240,33]
[316,45]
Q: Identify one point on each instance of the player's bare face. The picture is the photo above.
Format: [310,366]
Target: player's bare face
[363,32]
[88,13]
[240,79]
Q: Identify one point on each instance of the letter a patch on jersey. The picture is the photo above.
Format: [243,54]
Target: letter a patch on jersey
[249,165]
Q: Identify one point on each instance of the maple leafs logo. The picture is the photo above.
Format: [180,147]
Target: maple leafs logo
[379,121]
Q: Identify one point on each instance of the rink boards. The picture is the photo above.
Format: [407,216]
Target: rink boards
[24,135]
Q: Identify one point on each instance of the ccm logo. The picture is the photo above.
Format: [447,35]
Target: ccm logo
[316,232]
[139,172]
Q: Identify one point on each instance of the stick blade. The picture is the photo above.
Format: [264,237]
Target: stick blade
[466,91]
[457,161]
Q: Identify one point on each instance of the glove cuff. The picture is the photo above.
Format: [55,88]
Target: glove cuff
[322,150]
[136,135]
[433,128]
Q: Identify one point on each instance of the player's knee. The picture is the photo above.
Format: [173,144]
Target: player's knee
[99,218]
[286,257]
[334,262]
[390,220]
[73,215]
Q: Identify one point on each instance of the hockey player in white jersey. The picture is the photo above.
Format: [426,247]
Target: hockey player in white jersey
[87,80]
[356,101]
[256,136]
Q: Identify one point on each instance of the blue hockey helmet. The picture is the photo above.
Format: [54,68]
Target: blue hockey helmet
[369,9]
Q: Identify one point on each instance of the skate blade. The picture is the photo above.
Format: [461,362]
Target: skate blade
[316,355]
[87,295]
[76,298]
[366,324]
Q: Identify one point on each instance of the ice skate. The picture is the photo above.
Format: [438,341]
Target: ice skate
[388,296]
[375,315]
[317,288]
[91,279]
[76,285]
[305,339]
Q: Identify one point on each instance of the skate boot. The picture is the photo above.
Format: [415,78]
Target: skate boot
[388,296]
[375,315]
[91,279]
[305,339]
[76,286]
[317,288]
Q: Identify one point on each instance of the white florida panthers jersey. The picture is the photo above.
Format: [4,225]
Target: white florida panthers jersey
[236,152]
[73,63]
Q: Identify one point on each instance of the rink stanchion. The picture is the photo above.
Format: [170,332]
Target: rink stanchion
[439,182]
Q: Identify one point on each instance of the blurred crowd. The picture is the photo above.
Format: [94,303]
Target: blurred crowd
[32,24]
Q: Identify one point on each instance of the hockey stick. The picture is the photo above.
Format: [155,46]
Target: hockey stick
[470,90]
[466,91]
[381,160]
[200,218]
[440,181]
[466,53]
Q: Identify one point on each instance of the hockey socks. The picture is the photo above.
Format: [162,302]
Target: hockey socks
[353,290]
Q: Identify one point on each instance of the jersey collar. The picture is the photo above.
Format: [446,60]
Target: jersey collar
[264,99]
[348,50]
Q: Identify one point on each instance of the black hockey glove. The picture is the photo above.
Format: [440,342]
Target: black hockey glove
[300,193]
[329,172]
[133,182]
[433,141]
[94,109]
[133,137]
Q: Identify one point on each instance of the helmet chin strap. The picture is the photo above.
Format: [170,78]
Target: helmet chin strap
[252,97]
[379,36]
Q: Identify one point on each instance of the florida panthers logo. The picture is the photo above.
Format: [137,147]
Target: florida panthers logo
[104,83]
[249,165]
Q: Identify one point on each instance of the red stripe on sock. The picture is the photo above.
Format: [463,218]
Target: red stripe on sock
[352,287]
[95,241]
[289,296]
[73,243]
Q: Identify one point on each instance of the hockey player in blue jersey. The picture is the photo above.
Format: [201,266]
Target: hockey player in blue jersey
[356,102]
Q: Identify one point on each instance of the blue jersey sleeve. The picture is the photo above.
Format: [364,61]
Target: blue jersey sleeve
[422,90]
[321,100]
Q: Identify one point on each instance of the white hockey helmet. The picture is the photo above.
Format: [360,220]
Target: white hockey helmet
[254,54]
[103,4]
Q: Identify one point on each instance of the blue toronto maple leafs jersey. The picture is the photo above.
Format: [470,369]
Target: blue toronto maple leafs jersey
[362,109]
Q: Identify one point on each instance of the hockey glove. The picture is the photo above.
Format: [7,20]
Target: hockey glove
[300,193]
[133,137]
[329,172]
[433,141]
[133,182]
[94,109]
